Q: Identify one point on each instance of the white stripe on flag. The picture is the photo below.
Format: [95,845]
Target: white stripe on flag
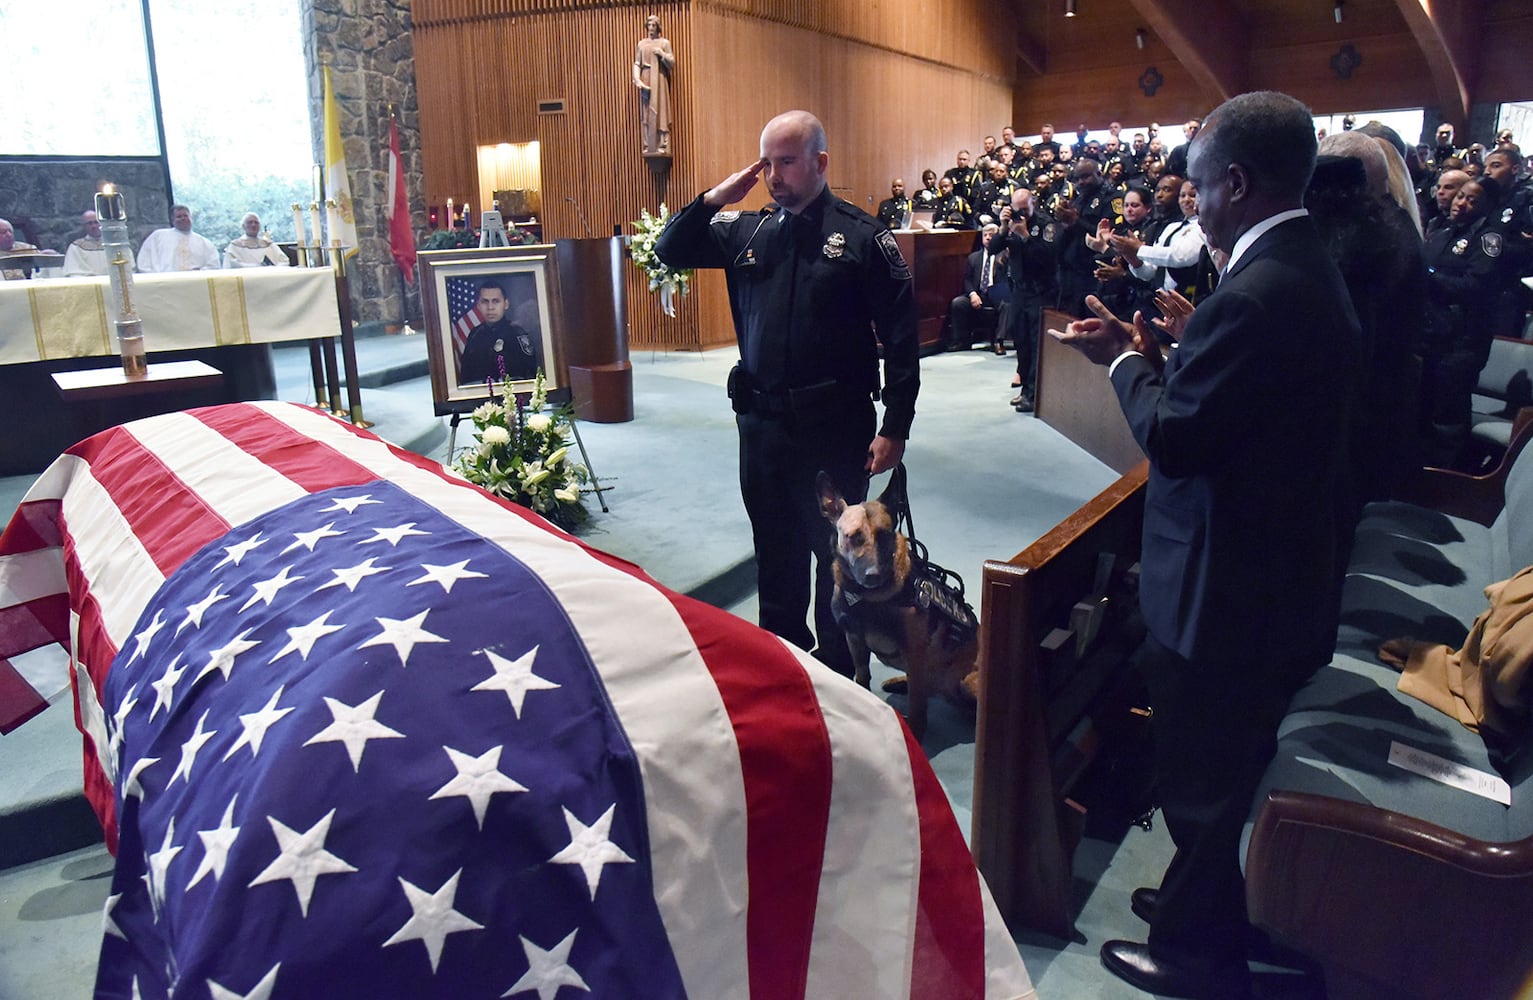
[697,842]
[231,482]
[118,570]
[872,867]
[46,669]
[28,576]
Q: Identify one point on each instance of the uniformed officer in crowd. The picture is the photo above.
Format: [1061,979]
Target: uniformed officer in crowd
[1465,271]
[1092,199]
[816,286]
[993,195]
[928,195]
[893,209]
[950,210]
[1513,216]
[1031,266]
[965,177]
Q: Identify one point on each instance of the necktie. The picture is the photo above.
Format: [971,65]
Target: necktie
[984,273]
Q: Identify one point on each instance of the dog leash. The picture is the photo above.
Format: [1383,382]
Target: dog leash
[938,587]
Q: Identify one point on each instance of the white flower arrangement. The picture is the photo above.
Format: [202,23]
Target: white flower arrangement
[523,455]
[665,280]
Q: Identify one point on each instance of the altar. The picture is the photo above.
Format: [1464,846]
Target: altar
[225,319]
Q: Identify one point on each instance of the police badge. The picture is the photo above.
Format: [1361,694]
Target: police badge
[1461,246]
[1506,216]
[729,215]
[835,246]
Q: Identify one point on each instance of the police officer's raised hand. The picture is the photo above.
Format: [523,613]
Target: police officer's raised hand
[735,186]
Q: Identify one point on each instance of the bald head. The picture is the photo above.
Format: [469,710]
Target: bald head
[1448,183]
[7,235]
[794,158]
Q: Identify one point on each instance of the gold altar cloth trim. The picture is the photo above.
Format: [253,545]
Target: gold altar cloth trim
[68,324]
[72,317]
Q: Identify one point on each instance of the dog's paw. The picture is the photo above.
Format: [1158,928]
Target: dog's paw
[895,685]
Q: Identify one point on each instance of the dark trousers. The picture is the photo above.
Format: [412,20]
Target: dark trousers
[1214,730]
[780,458]
[1026,315]
[963,319]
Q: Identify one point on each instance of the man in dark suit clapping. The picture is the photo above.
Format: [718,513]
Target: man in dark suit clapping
[1244,427]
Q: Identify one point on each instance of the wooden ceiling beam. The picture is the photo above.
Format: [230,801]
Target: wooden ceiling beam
[1448,35]
[1032,52]
[1209,39]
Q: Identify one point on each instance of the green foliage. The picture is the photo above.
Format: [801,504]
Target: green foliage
[220,199]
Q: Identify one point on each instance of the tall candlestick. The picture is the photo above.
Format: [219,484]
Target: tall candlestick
[333,222]
[314,223]
[298,223]
[114,240]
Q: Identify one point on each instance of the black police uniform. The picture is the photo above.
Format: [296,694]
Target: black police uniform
[953,211]
[965,180]
[990,199]
[1032,264]
[891,212]
[491,341]
[807,293]
[1094,205]
[1465,268]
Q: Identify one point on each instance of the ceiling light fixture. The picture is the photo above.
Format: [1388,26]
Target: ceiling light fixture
[1139,37]
[1069,8]
[1337,11]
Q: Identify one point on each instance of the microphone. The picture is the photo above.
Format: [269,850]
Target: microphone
[583,223]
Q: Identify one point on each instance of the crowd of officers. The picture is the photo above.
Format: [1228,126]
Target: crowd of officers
[1090,204]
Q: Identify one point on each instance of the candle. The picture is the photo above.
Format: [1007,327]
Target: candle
[333,222]
[319,182]
[314,222]
[109,204]
[467,225]
[298,223]
[452,218]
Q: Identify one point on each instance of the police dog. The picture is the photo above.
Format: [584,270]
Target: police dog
[875,604]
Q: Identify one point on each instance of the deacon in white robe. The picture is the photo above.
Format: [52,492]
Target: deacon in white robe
[177,249]
[86,257]
[253,249]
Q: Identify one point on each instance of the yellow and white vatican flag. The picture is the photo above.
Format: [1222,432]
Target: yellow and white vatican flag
[343,218]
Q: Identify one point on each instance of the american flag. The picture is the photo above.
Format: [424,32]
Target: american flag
[364,730]
[462,300]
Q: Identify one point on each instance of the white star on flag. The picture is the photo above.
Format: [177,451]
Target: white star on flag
[590,847]
[349,504]
[165,687]
[215,846]
[303,637]
[308,539]
[432,918]
[402,634]
[446,575]
[108,924]
[190,749]
[548,970]
[234,553]
[133,786]
[129,702]
[265,590]
[353,575]
[159,865]
[194,612]
[261,990]
[147,634]
[478,779]
[302,859]
[256,724]
[222,658]
[354,726]
[514,677]
[393,535]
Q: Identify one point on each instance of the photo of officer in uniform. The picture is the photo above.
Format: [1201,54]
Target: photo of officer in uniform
[502,325]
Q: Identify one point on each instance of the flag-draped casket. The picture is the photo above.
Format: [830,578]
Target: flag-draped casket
[356,728]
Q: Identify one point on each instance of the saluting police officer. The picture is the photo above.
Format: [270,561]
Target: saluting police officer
[811,280]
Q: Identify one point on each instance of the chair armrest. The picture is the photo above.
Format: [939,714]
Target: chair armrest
[1477,498]
[1390,898]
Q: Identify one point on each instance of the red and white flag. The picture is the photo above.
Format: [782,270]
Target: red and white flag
[396,736]
[401,235]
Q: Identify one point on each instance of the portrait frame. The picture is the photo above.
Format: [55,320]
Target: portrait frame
[449,278]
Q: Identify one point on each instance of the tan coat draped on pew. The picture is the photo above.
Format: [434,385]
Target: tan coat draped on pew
[1485,684]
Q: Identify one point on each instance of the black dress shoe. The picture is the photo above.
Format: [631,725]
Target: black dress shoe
[1133,963]
[1143,903]
[1023,402]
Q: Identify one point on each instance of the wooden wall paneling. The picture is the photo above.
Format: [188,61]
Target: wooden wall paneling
[1393,74]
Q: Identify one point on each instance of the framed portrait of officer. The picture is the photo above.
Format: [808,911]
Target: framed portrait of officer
[492,319]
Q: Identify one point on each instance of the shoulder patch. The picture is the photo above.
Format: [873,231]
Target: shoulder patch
[898,269]
[1491,244]
[728,215]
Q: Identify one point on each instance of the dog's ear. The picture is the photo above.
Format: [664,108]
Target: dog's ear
[832,504]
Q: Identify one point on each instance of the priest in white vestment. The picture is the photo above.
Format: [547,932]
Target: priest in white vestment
[8,244]
[178,248]
[86,257]
[253,249]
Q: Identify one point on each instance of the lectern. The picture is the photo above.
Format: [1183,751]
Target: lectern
[596,328]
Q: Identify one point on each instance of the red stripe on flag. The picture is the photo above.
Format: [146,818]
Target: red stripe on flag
[33,625]
[34,526]
[948,957]
[170,521]
[18,701]
[310,464]
[783,745]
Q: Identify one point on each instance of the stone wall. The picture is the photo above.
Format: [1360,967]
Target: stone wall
[43,196]
[369,49]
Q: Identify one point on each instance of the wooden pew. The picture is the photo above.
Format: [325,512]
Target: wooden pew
[1047,699]
[1075,398]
